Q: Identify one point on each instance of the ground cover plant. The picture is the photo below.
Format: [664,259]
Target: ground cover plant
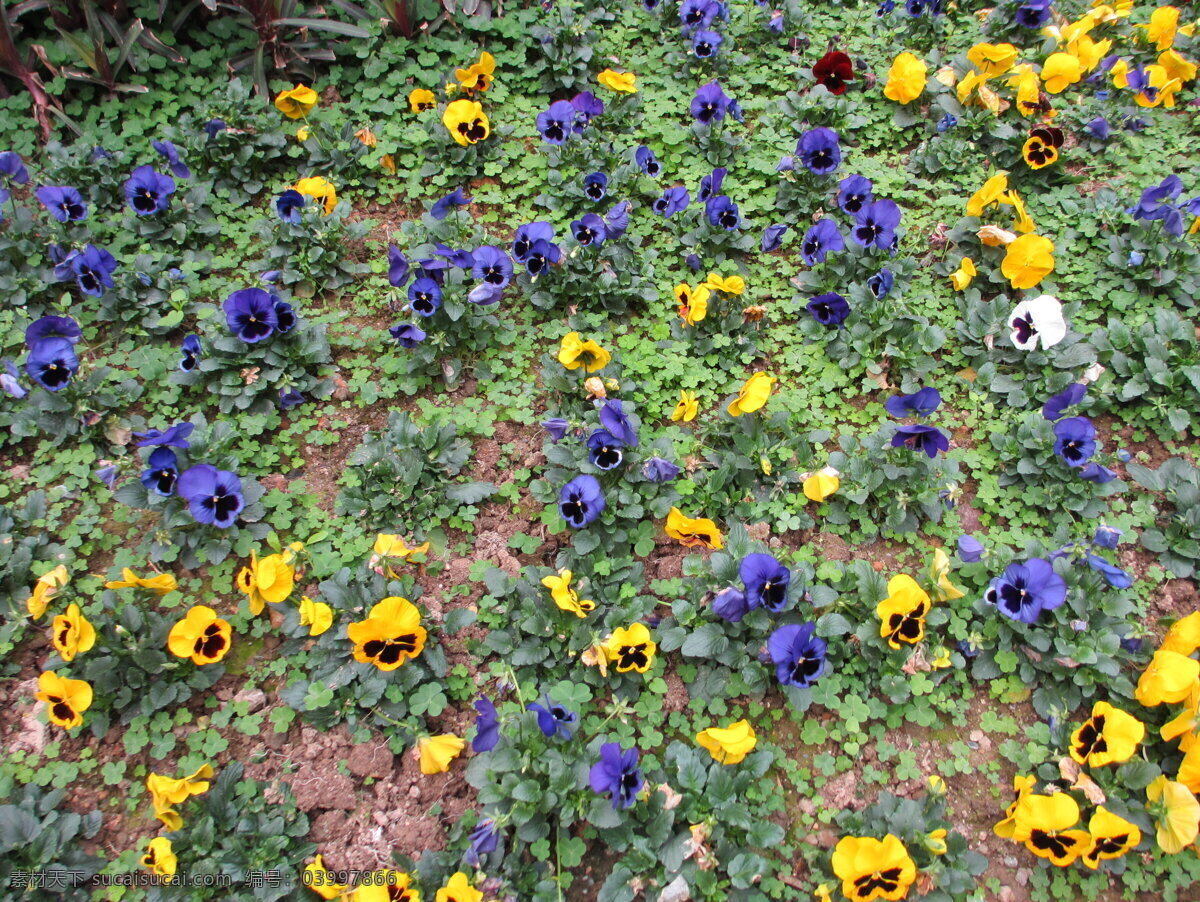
[665,450]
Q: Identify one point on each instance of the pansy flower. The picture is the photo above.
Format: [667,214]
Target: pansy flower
[647,162]
[699,532]
[214,496]
[390,636]
[477,76]
[1038,321]
[1028,260]
[65,699]
[201,636]
[556,124]
[250,314]
[565,597]
[466,122]
[1168,679]
[829,309]
[288,206]
[765,580]
[581,501]
[297,102]
[630,648]
[542,256]
[710,104]
[687,407]
[772,237]
[728,745]
[854,193]
[797,653]
[63,202]
[1109,736]
[421,100]
[880,284]
[820,240]
[574,353]
[617,775]
[928,439]
[1074,440]
[710,185]
[620,82]
[71,633]
[906,78]
[705,44]
[872,869]
[1026,589]
[448,204]
[12,167]
[190,352]
[555,721]
[587,106]
[692,302]
[656,469]
[595,186]
[752,395]
[671,202]
[819,151]
[148,191]
[527,236]
[52,363]
[425,296]
[589,231]
[1111,837]
[434,754]
[834,71]
[616,421]
[902,614]
[408,335]
[93,268]
[722,213]
[921,403]
[1043,823]
[171,154]
[487,726]
[604,450]
[875,225]
[616,220]
[162,472]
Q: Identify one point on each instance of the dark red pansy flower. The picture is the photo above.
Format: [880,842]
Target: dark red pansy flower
[834,70]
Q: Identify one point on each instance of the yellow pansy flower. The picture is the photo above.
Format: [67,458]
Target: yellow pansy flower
[270,580]
[574,353]
[316,615]
[693,533]
[902,614]
[159,584]
[320,190]
[621,82]
[728,745]
[992,59]
[436,752]
[65,699]
[1028,260]
[458,889]
[1176,814]
[201,636]
[822,484]
[726,284]
[297,102]
[989,195]
[962,277]
[906,78]
[1167,679]
[160,858]
[321,881]
[47,586]
[390,636]
[71,633]
[466,122]
[752,395]
[421,100]
[565,597]
[687,408]
[168,792]
[630,648]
